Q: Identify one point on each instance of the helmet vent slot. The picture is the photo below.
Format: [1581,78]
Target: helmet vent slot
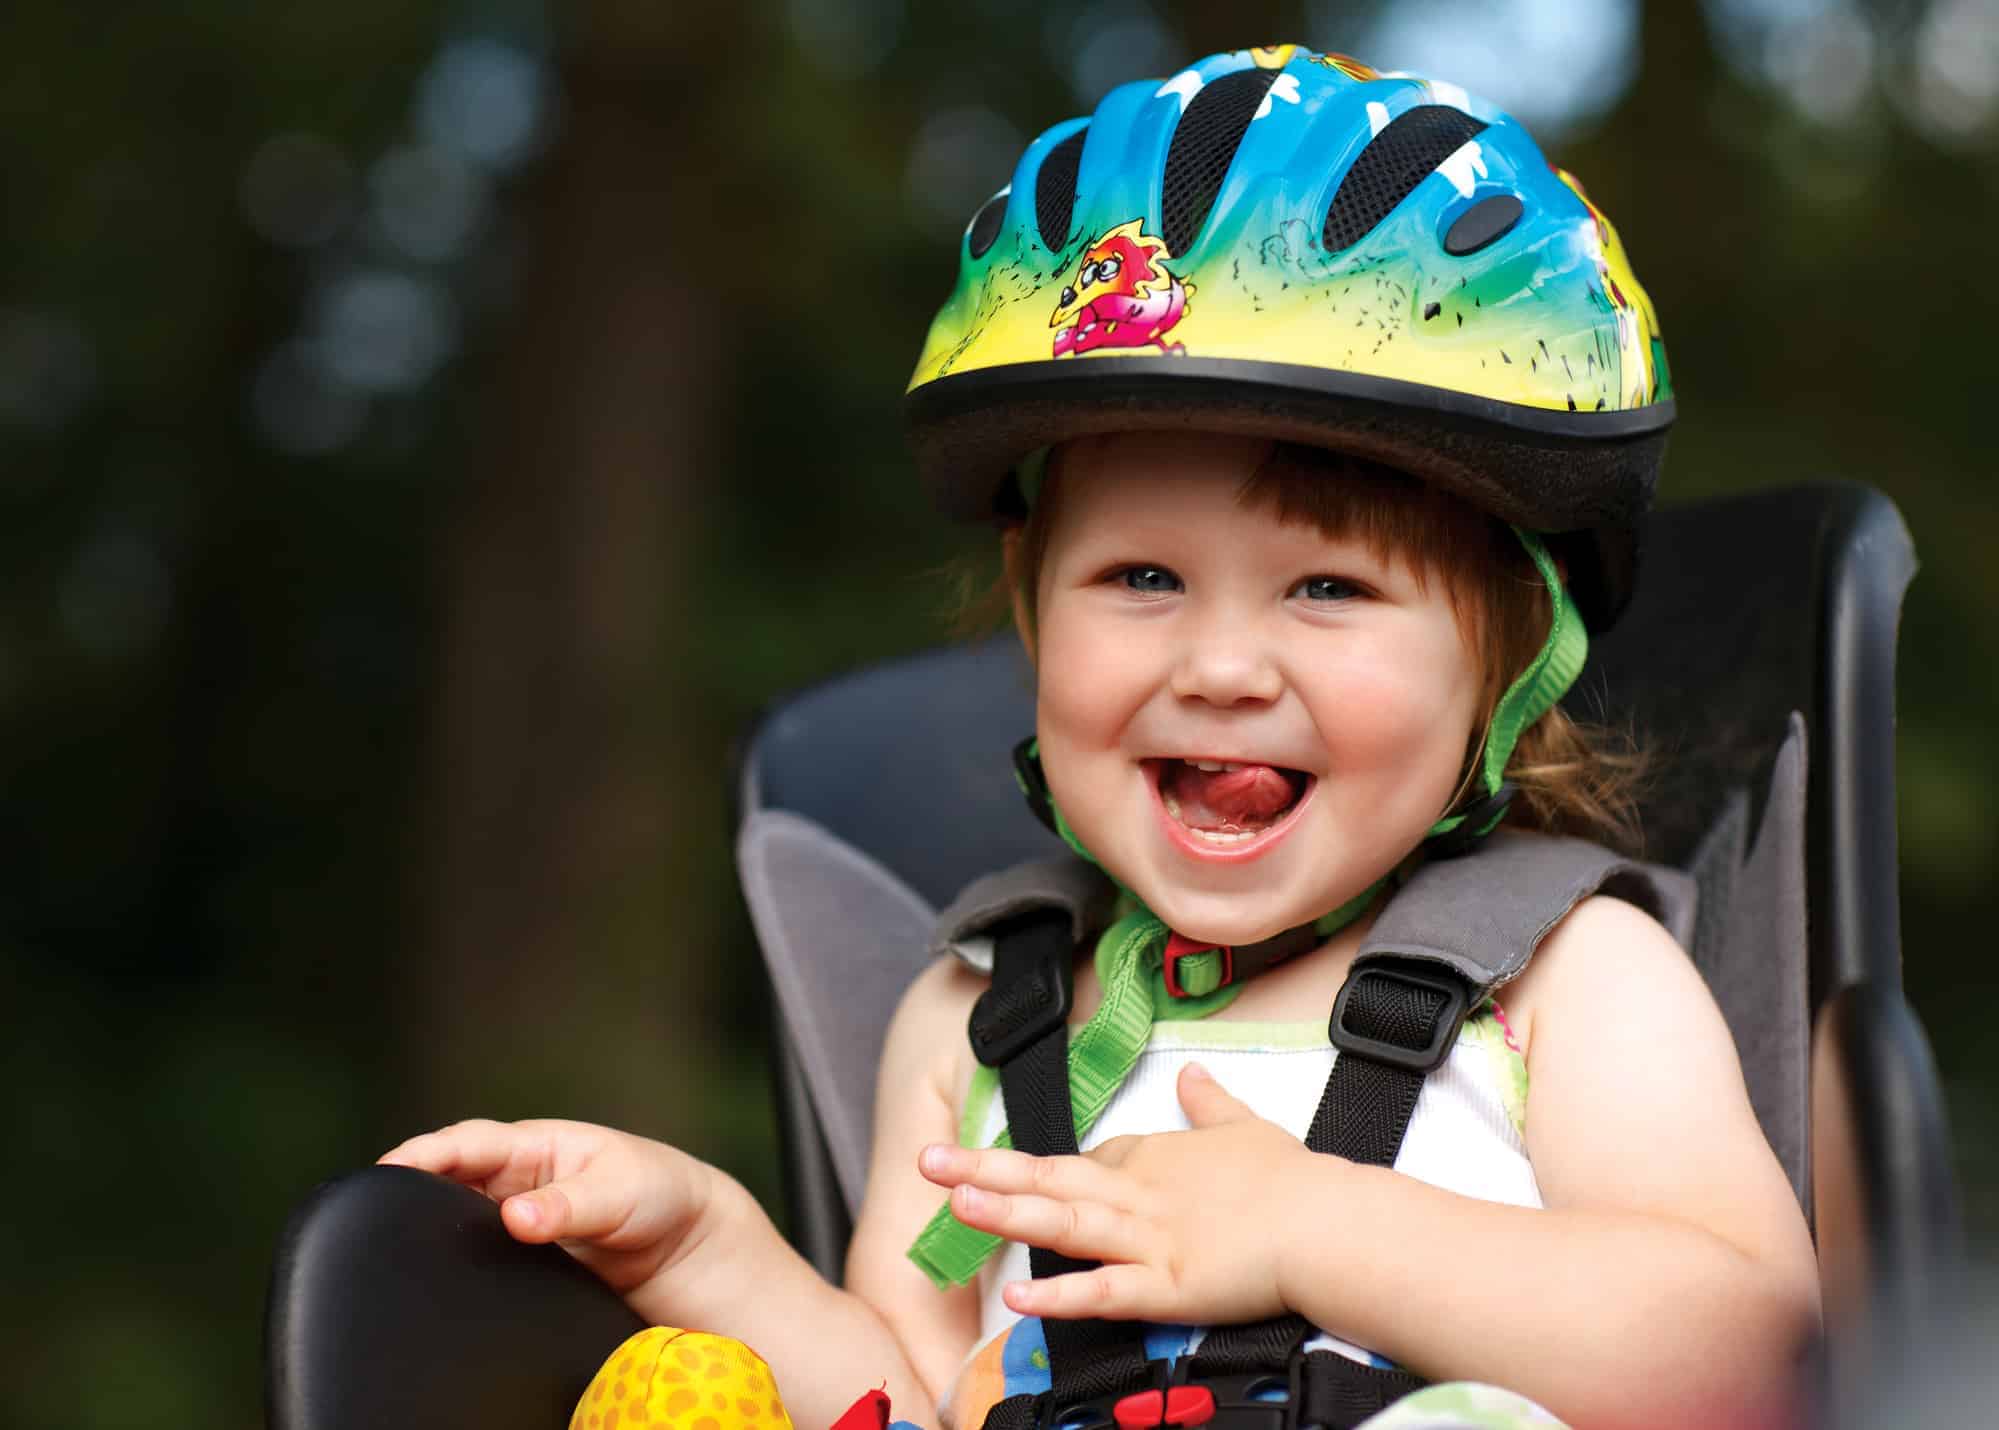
[1485,222]
[1204,144]
[985,226]
[1406,152]
[1055,190]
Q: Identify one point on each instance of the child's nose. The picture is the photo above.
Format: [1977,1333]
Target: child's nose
[1222,665]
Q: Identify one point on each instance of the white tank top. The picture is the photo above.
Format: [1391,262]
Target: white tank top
[1464,1136]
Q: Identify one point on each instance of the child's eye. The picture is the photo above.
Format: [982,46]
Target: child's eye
[1326,588]
[1149,580]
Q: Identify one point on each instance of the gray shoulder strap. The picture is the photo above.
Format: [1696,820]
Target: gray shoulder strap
[1484,914]
[1068,883]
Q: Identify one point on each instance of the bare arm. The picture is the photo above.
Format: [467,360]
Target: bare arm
[828,1345]
[925,1059]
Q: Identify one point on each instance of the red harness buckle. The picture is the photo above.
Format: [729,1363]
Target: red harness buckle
[1181,1405]
[1179,946]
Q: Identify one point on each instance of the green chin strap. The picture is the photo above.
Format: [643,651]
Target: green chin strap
[1536,689]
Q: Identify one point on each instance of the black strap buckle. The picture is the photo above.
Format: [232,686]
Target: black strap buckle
[1034,1000]
[1258,1400]
[1365,1039]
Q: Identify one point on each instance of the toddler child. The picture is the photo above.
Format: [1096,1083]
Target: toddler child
[1321,415]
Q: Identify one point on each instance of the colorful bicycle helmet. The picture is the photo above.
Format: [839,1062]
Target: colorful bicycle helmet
[1290,244]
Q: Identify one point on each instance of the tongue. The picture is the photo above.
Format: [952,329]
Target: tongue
[1236,799]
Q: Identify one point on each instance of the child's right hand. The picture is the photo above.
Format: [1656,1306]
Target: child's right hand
[626,1207]
[685,1244]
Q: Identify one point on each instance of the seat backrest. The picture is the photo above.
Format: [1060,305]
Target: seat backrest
[868,801]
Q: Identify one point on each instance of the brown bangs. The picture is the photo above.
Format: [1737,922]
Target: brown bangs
[1398,519]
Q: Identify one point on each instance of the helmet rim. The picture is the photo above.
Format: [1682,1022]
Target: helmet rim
[1583,479]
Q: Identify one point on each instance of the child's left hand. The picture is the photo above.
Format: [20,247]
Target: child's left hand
[1189,1225]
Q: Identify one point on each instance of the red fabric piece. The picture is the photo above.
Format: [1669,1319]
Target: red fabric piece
[870,1412]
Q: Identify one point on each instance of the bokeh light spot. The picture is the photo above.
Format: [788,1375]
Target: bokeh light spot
[47,368]
[1107,44]
[382,331]
[1956,54]
[427,202]
[297,190]
[116,596]
[849,37]
[1556,66]
[1819,54]
[483,99]
[298,409]
[959,158]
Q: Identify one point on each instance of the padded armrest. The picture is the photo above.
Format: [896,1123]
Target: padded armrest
[1890,1232]
[398,1299]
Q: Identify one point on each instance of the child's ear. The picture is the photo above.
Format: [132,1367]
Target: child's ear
[1023,615]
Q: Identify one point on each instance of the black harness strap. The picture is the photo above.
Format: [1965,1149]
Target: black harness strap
[1020,1025]
[1340,1393]
[1393,1022]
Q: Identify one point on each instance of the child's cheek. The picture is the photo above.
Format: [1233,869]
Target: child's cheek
[1088,682]
[1089,685]
[1393,715]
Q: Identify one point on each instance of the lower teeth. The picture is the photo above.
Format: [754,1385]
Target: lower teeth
[1212,836]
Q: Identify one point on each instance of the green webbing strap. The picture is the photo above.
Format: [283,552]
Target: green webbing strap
[1535,690]
[1101,1054]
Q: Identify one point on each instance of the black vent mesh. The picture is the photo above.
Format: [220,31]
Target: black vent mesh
[1401,156]
[986,223]
[1055,190]
[1203,144]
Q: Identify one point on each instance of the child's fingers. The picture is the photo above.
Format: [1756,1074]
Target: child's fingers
[1207,1102]
[1003,1170]
[479,1151]
[1088,1230]
[590,1206]
[1119,1291]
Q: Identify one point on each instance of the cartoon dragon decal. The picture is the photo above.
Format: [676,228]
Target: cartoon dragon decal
[1122,296]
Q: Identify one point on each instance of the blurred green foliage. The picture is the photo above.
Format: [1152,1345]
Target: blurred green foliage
[298,685]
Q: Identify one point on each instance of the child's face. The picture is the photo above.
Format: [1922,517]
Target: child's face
[1174,625]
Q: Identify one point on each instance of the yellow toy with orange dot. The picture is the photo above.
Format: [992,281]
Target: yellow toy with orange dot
[664,1378]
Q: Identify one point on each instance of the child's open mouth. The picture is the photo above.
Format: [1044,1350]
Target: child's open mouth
[1226,805]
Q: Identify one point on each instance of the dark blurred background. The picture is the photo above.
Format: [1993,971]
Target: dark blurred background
[430,432]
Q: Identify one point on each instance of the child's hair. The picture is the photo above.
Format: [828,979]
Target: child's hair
[1573,778]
